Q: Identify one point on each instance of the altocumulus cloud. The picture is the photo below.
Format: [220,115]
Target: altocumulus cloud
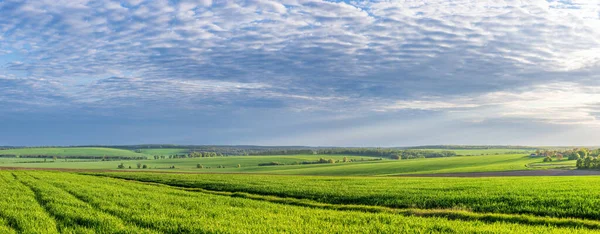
[376,71]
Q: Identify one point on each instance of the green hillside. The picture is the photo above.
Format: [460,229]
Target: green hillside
[360,166]
[72,152]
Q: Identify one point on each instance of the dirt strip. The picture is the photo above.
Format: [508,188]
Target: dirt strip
[549,172]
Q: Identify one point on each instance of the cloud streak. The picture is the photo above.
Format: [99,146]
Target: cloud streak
[471,60]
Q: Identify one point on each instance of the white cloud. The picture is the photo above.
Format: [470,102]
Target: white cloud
[557,103]
[311,55]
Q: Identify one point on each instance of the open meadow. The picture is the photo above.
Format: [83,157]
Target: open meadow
[292,164]
[297,193]
[60,202]
[73,152]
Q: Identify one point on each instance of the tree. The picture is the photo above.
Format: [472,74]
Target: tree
[559,157]
[574,156]
[579,163]
[199,165]
[548,159]
[121,166]
[595,163]
[139,165]
[587,162]
[238,166]
[345,159]
[331,161]
[583,152]
[144,166]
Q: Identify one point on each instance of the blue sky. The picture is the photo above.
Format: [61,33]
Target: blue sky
[300,72]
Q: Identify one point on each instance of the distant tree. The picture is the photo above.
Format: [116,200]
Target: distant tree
[583,152]
[574,156]
[121,166]
[238,166]
[587,162]
[595,163]
[547,159]
[330,161]
[139,165]
[199,165]
[579,163]
[345,159]
[397,157]
[559,157]
[145,166]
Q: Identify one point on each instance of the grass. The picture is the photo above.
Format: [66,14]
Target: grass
[53,202]
[164,151]
[416,166]
[249,164]
[560,197]
[564,164]
[474,152]
[73,152]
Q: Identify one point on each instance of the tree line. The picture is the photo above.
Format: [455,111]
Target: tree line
[586,158]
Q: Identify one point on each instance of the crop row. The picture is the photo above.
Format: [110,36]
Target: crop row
[562,197]
[51,202]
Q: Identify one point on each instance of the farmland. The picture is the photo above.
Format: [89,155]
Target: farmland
[73,152]
[540,196]
[59,202]
[336,193]
[363,166]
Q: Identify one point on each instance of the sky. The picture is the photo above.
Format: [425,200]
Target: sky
[300,72]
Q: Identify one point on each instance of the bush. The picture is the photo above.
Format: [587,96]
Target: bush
[144,166]
[579,163]
[559,157]
[574,156]
[238,166]
[271,164]
[199,165]
[121,166]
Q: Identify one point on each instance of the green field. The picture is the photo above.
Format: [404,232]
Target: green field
[58,202]
[475,152]
[233,194]
[169,151]
[574,197]
[249,164]
[73,152]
